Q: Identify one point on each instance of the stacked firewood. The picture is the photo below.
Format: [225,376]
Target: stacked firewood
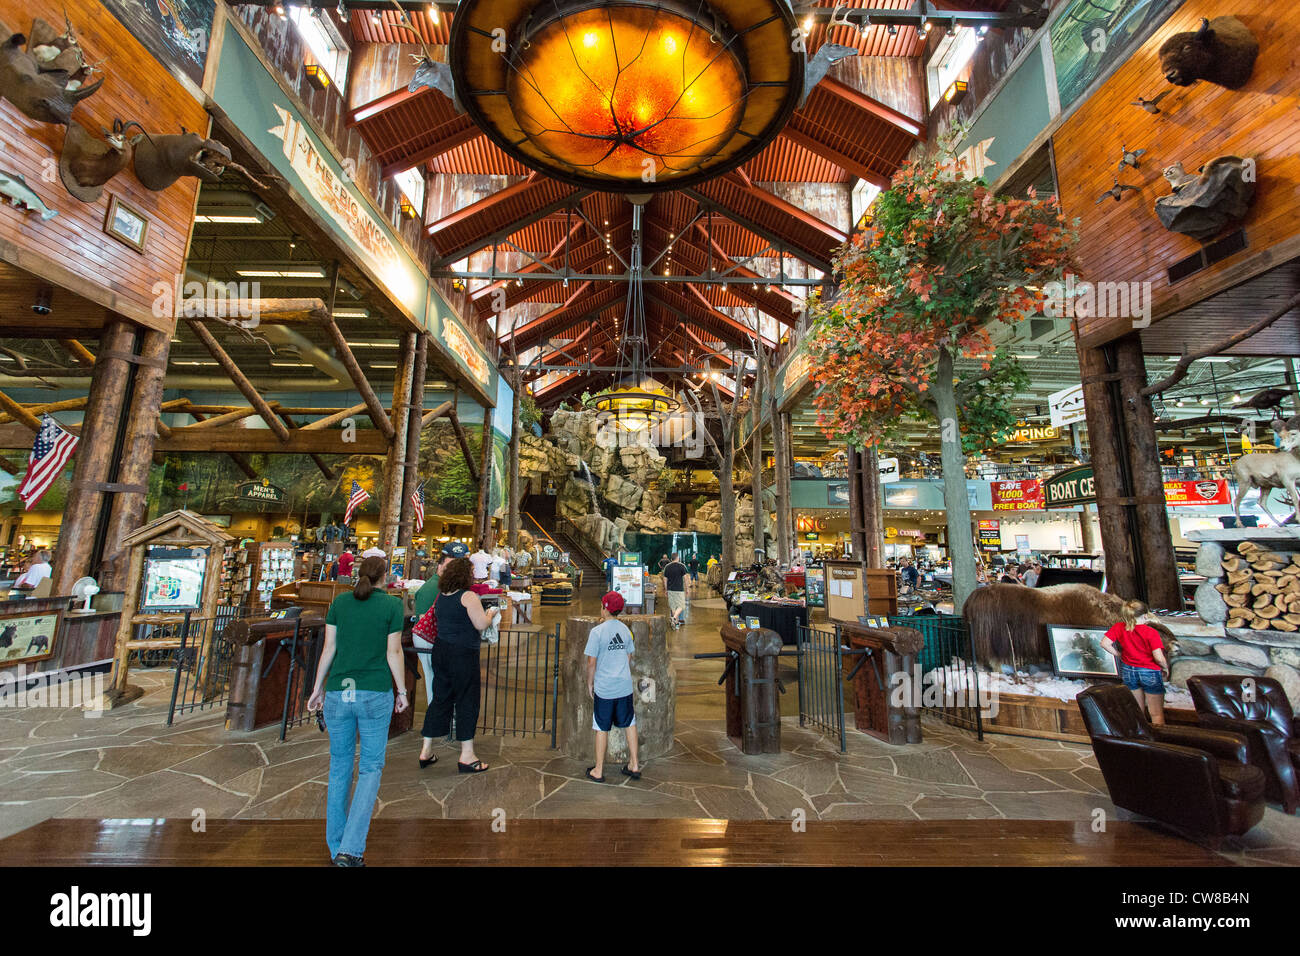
[1261,588]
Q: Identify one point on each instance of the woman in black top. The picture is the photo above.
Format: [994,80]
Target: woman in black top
[461,619]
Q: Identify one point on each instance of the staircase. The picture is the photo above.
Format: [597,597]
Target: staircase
[592,572]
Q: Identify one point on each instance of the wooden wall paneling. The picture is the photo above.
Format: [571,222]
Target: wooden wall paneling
[72,245]
[285,51]
[1124,241]
[895,81]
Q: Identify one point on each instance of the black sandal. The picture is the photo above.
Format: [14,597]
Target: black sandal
[478,766]
[594,779]
[634,774]
[428,763]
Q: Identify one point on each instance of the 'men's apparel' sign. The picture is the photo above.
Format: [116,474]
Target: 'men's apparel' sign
[261,490]
[1017,495]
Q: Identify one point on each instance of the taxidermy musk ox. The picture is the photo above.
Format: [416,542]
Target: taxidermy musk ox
[1008,622]
[1220,51]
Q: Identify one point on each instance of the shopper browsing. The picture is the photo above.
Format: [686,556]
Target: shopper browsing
[675,585]
[1141,653]
[361,662]
[461,620]
[424,599]
[36,572]
[609,683]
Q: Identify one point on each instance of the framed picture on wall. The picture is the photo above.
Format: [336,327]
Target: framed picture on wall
[126,224]
[1077,652]
[28,637]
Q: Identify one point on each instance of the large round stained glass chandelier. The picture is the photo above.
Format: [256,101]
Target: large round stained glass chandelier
[628,95]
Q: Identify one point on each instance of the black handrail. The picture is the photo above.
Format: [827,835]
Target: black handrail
[589,549]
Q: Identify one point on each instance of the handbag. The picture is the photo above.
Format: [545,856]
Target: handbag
[491,634]
[426,628]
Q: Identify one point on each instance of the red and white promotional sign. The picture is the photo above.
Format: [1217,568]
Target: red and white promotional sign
[1018,495]
[1209,492]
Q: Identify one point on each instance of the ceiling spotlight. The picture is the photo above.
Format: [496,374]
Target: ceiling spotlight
[279,11]
[952,28]
[433,13]
[925,28]
[893,30]
[342,11]
[982,30]
[375,18]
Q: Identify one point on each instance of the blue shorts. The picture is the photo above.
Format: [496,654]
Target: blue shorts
[1141,678]
[616,712]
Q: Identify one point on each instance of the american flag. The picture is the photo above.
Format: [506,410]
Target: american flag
[359,497]
[417,499]
[51,452]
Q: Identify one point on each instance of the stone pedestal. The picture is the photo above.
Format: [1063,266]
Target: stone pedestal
[655,704]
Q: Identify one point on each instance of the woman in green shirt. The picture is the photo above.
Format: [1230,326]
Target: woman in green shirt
[361,663]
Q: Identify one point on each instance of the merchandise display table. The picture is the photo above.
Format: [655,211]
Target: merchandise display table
[783,618]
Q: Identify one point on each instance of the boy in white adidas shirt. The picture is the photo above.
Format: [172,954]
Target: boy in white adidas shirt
[609,682]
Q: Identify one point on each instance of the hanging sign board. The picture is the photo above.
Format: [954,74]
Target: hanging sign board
[888,470]
[1074,486]
[990,535]
[261,490]
[1017,495]
[1066,406]
[1182,493]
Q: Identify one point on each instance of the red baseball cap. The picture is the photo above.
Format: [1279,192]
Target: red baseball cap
[612,602]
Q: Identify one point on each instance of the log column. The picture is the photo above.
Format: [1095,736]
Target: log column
[482,519]
[1159,565]
[865,521]
[1110,470]
[127,508]
[415,423]
[782,465]
[94,456]
[390,509]
[1087,539]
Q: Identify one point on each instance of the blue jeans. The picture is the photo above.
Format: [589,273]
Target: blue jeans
[369,711]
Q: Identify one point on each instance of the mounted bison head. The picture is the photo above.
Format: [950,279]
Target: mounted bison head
[1222,51]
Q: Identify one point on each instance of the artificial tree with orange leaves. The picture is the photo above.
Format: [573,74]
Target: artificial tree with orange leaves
[943,261]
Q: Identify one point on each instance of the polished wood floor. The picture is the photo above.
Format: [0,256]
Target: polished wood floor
[650,842]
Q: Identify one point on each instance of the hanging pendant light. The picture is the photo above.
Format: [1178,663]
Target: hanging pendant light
[633,95]
[634,402]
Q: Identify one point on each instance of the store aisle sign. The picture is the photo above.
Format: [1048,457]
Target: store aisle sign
[1074,486]
[463,347]
[1017,495]
[990,535]
[1066,406]
[261,490]
[1210,492]
[329,189]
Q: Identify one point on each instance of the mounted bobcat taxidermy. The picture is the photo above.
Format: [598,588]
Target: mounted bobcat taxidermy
[1201,206]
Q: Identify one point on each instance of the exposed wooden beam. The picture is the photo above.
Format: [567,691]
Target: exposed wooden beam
[20,414]
[436,412]
[901,121]
[228,418]
[84,357]
[463,440]
[374,408]
[431,152]
[321,463]
[240,380]
[847,163]
[270,311]
[331,420]
[263,441]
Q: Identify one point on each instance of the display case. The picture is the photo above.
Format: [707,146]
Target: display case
[272,564]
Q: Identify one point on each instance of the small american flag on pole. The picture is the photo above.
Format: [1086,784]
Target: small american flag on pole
[417,500]
[50,453]
[358,497]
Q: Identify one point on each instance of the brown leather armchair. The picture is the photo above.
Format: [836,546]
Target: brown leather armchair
[1266,721]
[1194,779]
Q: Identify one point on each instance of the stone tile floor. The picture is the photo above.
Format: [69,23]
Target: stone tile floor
[127,763]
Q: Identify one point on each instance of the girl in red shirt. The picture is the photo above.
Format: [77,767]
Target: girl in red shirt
[1141,654]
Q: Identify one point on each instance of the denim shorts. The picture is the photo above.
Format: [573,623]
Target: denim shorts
[1141,678]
